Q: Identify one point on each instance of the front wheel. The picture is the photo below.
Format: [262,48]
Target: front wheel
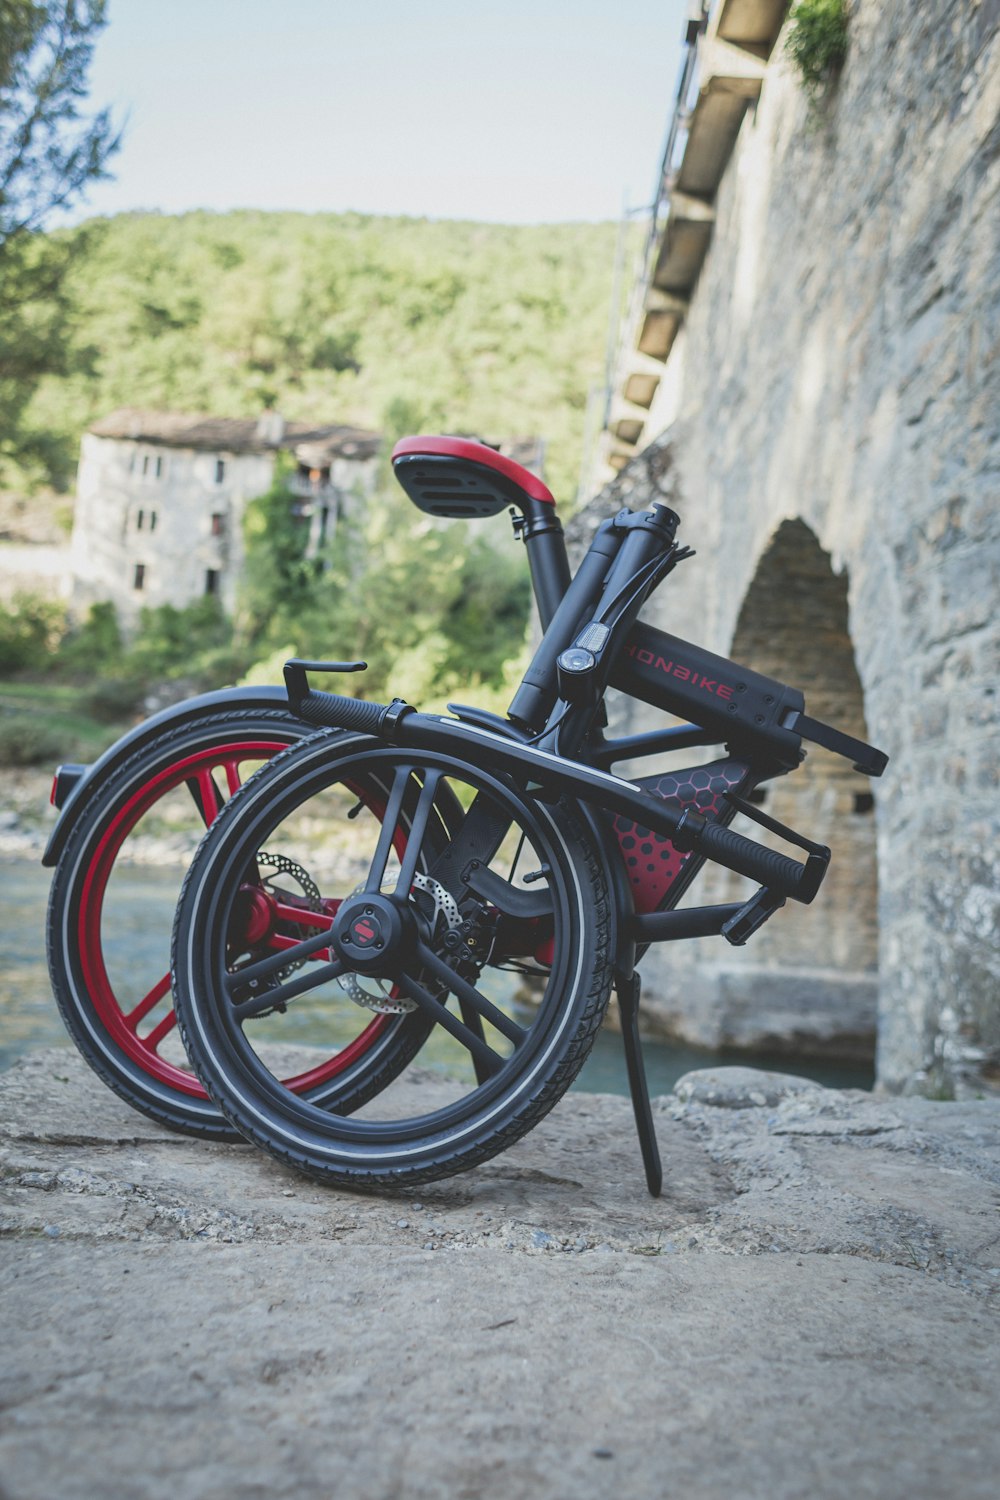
[501,939]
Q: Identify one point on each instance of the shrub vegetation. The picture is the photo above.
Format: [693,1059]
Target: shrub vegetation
[817,42]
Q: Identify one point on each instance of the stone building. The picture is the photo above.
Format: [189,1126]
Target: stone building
[811,374]
[160,500]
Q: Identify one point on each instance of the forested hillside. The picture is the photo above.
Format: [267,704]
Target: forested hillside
[394,324]
[480,328]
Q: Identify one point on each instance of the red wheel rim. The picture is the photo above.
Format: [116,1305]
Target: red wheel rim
[122,1025]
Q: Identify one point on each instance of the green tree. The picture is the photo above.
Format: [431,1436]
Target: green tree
[430,607]
[335,318]
[49,151]
[277,576]
[30,629]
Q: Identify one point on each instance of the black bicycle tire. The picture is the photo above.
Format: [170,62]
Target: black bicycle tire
[260,1110]
[121,1072]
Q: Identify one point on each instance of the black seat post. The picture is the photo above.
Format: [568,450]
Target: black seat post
[538,690]
[545,544]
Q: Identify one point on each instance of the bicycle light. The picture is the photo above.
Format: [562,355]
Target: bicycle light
[575,668]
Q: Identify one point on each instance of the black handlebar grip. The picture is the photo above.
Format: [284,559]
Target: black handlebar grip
[776,871]
[337,712]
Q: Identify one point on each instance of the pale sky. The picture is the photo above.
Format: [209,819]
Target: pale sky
[525,111]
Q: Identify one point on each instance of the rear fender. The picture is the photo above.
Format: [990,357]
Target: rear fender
[174,717]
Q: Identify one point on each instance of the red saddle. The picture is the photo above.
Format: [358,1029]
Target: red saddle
[461,479]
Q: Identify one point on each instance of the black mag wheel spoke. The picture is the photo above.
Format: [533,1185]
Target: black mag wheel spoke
[517,856]
[383,848]
[245,1010]
[474,1021]
[469,995]
[238,979]
[415,837]
[490,1061]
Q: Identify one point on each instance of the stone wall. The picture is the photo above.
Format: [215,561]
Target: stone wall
[834,451]
[142,505]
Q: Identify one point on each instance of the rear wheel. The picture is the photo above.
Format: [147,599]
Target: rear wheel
[111,908]
[503,945]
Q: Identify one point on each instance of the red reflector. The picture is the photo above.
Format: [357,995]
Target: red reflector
[66,779]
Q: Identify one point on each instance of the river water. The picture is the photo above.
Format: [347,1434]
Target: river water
[29,1018]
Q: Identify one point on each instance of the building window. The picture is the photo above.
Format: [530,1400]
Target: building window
[145,463]
[218,523]
[139,520]
[159,467]
[212,581]
[152,520]
[220,470]
[139,578]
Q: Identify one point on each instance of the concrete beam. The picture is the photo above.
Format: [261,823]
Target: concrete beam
[730,78]
[751,24]
[623,410]
[638,362]
[641,386]
[721,62]
[693,210]
[685,241]
[666,302]
[731,70]
[664,314]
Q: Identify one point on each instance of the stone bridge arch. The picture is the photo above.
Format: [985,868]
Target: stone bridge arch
[808,981]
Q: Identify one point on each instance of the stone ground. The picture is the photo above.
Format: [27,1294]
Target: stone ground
[811,1308]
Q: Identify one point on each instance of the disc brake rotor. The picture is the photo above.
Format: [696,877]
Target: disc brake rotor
[310,900]
[375,994]
[281,865]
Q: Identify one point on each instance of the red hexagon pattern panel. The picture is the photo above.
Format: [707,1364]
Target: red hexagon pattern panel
[652,862]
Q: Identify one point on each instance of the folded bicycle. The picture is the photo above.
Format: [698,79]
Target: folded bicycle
[480,884]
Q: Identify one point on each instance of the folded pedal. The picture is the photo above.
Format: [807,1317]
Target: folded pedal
[751,915]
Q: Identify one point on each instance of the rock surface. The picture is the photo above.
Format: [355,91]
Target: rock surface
[810,1308]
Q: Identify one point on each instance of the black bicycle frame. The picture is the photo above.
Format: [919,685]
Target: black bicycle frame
[553,742]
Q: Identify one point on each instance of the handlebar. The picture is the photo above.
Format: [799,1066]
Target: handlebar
[778,872]
[336,712]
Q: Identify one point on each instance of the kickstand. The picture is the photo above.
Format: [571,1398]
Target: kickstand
[628,991]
